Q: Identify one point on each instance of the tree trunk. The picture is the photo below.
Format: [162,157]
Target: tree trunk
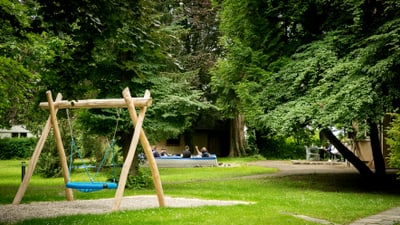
[126,139]
[238,146]
[346,153]
[379,161]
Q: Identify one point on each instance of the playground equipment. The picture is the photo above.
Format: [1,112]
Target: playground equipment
[91,185]
[138,135]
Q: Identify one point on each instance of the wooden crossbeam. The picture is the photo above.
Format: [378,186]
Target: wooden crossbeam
[97,103]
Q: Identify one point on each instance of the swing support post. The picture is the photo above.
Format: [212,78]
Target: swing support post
[34,159]
[139,135]
[60,146]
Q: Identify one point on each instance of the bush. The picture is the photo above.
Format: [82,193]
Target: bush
[142,180]
[49,161]
[282,148]
[49,165]
[17,148]
[393,140]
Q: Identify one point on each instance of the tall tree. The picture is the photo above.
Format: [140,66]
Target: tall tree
[22,54]
[110,45]
[297,64]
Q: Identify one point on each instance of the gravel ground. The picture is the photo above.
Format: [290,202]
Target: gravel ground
[14,213]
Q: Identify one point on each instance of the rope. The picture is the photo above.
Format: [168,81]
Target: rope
[71,147]
[113,164]
[74,148]
[110,147]
[116,124]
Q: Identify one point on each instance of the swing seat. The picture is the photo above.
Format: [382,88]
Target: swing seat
[91,186]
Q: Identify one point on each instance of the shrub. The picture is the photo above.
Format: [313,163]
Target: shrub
[49,161]
[142,180]
[17,148]
[393,140]
[282,148]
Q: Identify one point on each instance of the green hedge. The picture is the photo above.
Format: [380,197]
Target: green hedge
[393,140]
[17,148]
[282,148]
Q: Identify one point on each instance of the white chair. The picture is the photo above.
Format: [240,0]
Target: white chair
[312,153]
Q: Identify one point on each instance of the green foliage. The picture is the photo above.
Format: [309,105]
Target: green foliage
[142,180]
[393,140]
[172,111]
[17,148]
[94,49]
[22,55]
[49,163]
[282,148]
[131,44]
[15,89]
[296,64]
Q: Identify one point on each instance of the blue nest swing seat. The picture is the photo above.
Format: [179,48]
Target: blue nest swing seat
[91,186]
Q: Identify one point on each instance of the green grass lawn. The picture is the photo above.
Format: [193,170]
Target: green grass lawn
[340,199]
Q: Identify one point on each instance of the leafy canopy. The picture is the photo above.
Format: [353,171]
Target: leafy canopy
[308,63]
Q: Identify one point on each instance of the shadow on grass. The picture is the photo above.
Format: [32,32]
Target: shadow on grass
[390,184]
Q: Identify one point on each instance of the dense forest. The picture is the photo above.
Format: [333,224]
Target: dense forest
[280,69]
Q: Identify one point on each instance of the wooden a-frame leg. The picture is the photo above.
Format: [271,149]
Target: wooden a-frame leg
[60,147]
[139,133]
[34,159]
[147,150]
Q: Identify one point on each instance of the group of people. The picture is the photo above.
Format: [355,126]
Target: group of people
[186,153]
[157,154]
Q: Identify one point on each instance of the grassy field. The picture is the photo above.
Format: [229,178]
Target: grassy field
[336,198]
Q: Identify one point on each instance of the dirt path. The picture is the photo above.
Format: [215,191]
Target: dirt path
[296,167]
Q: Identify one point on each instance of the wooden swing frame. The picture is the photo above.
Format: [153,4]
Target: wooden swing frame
[138,135]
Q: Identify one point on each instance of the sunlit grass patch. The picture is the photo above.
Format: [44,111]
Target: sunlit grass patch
[338,198]
[210,173]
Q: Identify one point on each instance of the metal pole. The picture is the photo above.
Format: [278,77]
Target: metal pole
[22,170]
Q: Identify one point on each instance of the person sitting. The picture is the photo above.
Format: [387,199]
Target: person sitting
[163,152]
[203,152]
[155,153]
[322,151]
[333,153]
[186,152]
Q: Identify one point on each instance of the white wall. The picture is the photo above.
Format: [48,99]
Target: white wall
[15,131]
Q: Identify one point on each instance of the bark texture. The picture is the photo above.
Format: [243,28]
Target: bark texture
[238,144]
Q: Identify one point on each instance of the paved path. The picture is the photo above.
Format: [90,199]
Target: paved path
[286,168]
[388,217]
